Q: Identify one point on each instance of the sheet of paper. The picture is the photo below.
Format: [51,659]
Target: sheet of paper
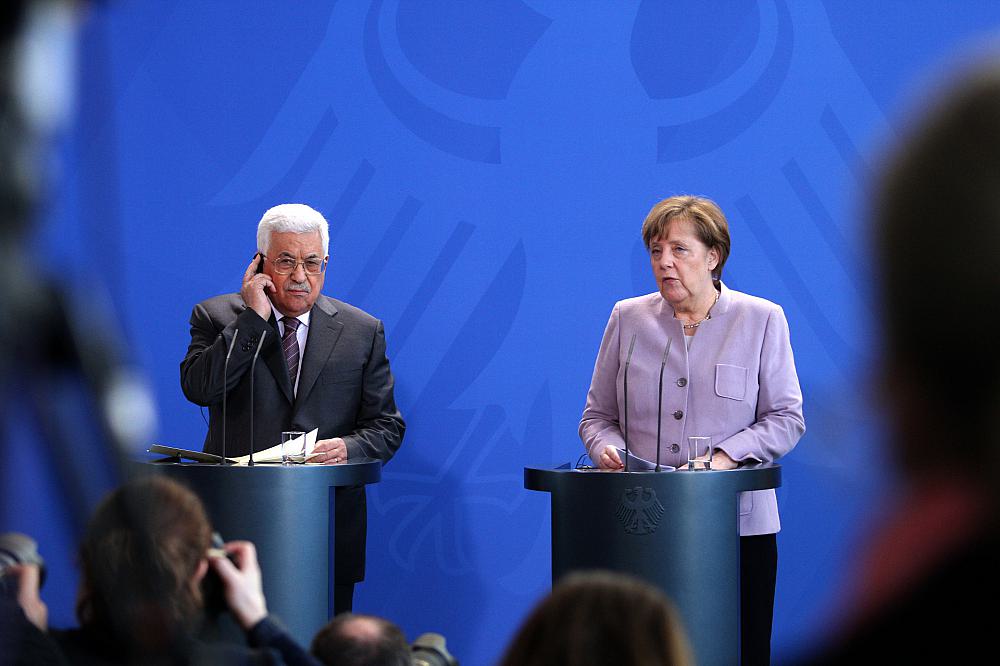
[637,464]
[273,454]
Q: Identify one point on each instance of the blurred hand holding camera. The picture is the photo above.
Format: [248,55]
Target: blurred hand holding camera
[22,572]
[26,582]
[243,589]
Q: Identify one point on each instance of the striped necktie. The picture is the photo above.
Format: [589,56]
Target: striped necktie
[290,347]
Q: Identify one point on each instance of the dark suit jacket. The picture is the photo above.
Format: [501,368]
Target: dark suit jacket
[268,644]
[345,390]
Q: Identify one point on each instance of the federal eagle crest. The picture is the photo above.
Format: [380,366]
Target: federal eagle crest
[639,510]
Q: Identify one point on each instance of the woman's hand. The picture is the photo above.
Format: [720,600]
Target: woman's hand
[721,460]
[609,459]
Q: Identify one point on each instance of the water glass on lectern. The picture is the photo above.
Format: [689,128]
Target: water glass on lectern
[293,447]
[699,453]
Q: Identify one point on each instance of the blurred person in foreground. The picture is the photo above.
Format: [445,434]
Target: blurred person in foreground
[145,561]
[323,366]
[729,374]
[24,619]
[361,640]
[928,578]
[596,618]
[67,391]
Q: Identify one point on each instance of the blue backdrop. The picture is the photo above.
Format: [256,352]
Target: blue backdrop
[485,168]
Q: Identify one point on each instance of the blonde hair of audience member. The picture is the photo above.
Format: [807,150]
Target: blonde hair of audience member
[598,618]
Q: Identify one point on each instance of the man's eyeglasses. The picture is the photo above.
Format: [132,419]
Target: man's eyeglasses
[287,265]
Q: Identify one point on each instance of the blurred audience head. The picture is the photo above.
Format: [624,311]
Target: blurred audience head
[143,558]
[937,225]
[597,618]
[361,640]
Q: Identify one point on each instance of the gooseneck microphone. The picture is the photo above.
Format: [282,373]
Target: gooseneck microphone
[628,360]
[253,364]
[659,403]
[225,392]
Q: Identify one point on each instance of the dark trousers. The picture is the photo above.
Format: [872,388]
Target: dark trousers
[343,598]
[758,571]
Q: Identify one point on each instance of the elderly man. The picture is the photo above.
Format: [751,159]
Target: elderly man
[322,365]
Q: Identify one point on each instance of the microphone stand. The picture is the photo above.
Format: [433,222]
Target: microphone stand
[225,392]
[659,404]
[253,364]
[628,360]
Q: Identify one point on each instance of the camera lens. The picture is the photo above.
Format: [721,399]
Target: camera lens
[430,650]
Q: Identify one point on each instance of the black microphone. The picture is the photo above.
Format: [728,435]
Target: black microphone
[628,359]
[659,404]
[253,364]
[225,392]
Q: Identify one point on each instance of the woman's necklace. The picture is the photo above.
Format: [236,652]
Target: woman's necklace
[708,316]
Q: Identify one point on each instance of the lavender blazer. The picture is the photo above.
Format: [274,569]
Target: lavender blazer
[736,383]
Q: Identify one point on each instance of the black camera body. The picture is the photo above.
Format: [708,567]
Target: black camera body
[213,591]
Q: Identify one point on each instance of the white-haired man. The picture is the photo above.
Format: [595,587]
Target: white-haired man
[323,365]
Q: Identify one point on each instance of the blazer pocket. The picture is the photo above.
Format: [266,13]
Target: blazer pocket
[730,381]
[343,377]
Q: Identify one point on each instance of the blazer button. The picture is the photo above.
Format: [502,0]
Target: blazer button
[682,382]
[678,415]
[674,448]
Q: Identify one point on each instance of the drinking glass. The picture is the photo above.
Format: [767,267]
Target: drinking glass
[699,453]
[293,447]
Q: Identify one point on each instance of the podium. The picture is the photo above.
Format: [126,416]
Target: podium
[287,511]
[676,530]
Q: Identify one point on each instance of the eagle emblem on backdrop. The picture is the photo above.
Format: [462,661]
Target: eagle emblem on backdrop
[407,124]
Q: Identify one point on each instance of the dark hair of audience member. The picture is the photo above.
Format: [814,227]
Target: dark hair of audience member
[598,618]
[361,640]
[938,230]
[139,557]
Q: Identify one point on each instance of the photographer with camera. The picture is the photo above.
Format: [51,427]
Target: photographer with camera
[22,572]
[147,568]
[23,614]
